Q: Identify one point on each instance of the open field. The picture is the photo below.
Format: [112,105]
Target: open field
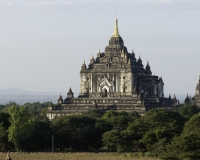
[69,156]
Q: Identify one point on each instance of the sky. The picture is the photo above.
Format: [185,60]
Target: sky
[44,42]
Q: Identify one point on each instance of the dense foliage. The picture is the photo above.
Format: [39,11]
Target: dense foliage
[163,133]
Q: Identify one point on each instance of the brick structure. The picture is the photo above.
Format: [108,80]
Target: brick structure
[116,80]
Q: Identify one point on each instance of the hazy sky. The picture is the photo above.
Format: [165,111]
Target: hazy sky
[43,42]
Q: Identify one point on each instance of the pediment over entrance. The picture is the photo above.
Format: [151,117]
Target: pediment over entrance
[105,85]
[105,82]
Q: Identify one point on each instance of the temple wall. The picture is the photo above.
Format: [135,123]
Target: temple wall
[126,83]
[85,82]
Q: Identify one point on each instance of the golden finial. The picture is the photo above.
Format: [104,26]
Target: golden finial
[116,31]
[83,62]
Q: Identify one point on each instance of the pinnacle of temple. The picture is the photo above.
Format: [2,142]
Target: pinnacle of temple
[187,100]
[116,31]
[60,98]
[174,96]
[83,67]
[70,94]
[198,87]
[139,60]
[170,96]
[199,79]
[133,53]
[148,69]
[99,53]
[116,38]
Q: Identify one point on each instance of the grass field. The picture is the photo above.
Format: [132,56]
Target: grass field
[69,156]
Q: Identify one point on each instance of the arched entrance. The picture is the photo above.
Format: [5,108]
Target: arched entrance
[105,92]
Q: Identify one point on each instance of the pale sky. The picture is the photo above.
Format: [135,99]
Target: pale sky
[43,42]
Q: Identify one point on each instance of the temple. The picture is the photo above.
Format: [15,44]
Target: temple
[115,80]
[195,100]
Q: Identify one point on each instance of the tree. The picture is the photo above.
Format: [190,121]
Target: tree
[184,146]
[120,122]
[37,109]
[21,130]
[3,138]
[4,125]
[110,114]
[128,140]
[188,110]
[103,125]
[149,139]
[76,133]
[93,113]
[160,119]
[193,125]
[119,141]
[111,140]
[1,107]
[187,145]
[152,137]
[155,125]
[41,137]
[8,105]
[134,115]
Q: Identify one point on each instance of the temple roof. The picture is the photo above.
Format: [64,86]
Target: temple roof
[60,98]
[70,91]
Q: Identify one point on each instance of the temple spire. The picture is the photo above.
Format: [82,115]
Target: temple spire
[199,78]
[174,96]
[116,31]
[83,62]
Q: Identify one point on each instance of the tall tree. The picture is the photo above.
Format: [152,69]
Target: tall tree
[4,125]
[22,128]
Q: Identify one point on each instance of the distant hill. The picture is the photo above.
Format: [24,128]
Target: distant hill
[12,91]
[21,96]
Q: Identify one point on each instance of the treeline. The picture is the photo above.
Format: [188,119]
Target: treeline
[166,134]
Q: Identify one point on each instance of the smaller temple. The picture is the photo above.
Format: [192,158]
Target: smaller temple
[196,99]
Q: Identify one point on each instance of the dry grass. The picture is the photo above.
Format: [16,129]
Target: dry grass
[69,156]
